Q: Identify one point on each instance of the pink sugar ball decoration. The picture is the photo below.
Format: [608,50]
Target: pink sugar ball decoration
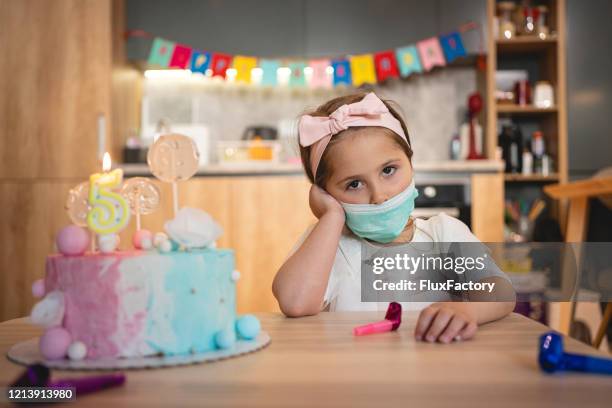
[142,239]
[38,288]
[72,240]
[54,343]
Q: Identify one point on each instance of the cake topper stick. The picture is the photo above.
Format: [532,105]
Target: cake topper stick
[142,196]
[173,158]
[392,321]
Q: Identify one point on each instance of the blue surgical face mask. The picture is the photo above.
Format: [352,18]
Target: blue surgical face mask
[381,222]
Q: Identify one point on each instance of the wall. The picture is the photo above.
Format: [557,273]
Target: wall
[432,104]
[299,27]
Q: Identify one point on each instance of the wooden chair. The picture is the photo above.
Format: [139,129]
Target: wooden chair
[578,194]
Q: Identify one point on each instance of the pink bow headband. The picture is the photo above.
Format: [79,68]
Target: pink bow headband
[318,130]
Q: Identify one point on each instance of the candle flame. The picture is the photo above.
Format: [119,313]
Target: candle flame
[106,162]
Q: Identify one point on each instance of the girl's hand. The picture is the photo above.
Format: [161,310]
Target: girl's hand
[321,202]
[446,322]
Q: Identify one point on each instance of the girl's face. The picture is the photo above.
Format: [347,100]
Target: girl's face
[367,167]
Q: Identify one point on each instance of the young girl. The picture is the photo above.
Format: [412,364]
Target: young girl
[356,151]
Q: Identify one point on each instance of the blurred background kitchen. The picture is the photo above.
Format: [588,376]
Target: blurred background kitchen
[503,100]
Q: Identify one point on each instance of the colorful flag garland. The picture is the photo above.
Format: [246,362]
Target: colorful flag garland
[352,70]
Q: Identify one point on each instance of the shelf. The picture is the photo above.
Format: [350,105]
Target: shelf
[524,109]
[525,44]
[535,178]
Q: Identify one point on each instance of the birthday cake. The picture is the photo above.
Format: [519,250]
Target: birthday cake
[174,293]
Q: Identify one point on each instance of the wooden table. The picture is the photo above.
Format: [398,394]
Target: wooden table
[315,361]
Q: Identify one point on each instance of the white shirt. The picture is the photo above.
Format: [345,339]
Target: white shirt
[343,291]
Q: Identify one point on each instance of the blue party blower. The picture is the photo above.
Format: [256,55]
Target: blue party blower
[552,358]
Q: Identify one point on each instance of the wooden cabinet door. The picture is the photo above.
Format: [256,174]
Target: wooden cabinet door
[55,79]
[32,214]
[268,214]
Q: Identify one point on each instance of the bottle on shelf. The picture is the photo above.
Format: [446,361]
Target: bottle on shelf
[546,165]
[511,141]
[530,16]
[455,147]
[542,24]
[538,149]
[527,162]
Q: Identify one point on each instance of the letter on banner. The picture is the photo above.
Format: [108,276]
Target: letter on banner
[180,56]
[431,53]
[386,65]
[200,61]
[362,69]
[408,60]
[243,66]
[220,63]
[320,77]
[161,51]
[342,72]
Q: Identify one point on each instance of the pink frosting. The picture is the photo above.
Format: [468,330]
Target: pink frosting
[92,301]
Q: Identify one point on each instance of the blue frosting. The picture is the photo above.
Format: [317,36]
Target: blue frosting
[195,300]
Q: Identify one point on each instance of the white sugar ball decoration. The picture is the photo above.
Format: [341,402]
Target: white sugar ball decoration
[165,246]
[107,243]
[159,238]
[77,351]
[235,275]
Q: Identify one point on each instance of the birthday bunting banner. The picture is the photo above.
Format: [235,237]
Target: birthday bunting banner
[346,70]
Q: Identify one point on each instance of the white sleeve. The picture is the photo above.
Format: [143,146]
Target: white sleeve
[454,230]
[339,272]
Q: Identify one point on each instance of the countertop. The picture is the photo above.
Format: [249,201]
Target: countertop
[315,361]
[259,169]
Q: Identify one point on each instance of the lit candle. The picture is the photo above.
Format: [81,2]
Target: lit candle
[109,212]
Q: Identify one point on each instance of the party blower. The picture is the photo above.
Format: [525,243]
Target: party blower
[392,321]
[552,358]
[38,375]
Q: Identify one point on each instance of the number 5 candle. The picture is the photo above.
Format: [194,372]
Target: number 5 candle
[109,212]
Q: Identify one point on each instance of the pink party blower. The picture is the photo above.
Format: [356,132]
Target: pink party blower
[392,321]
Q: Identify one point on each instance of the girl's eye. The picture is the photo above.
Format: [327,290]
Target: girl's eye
[389,170]
[353,185]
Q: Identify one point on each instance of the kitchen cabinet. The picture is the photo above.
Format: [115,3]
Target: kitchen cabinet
[487,192]
[32,213]
[55,78]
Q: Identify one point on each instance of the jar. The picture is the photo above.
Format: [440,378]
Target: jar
[507,29]
[543,95]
